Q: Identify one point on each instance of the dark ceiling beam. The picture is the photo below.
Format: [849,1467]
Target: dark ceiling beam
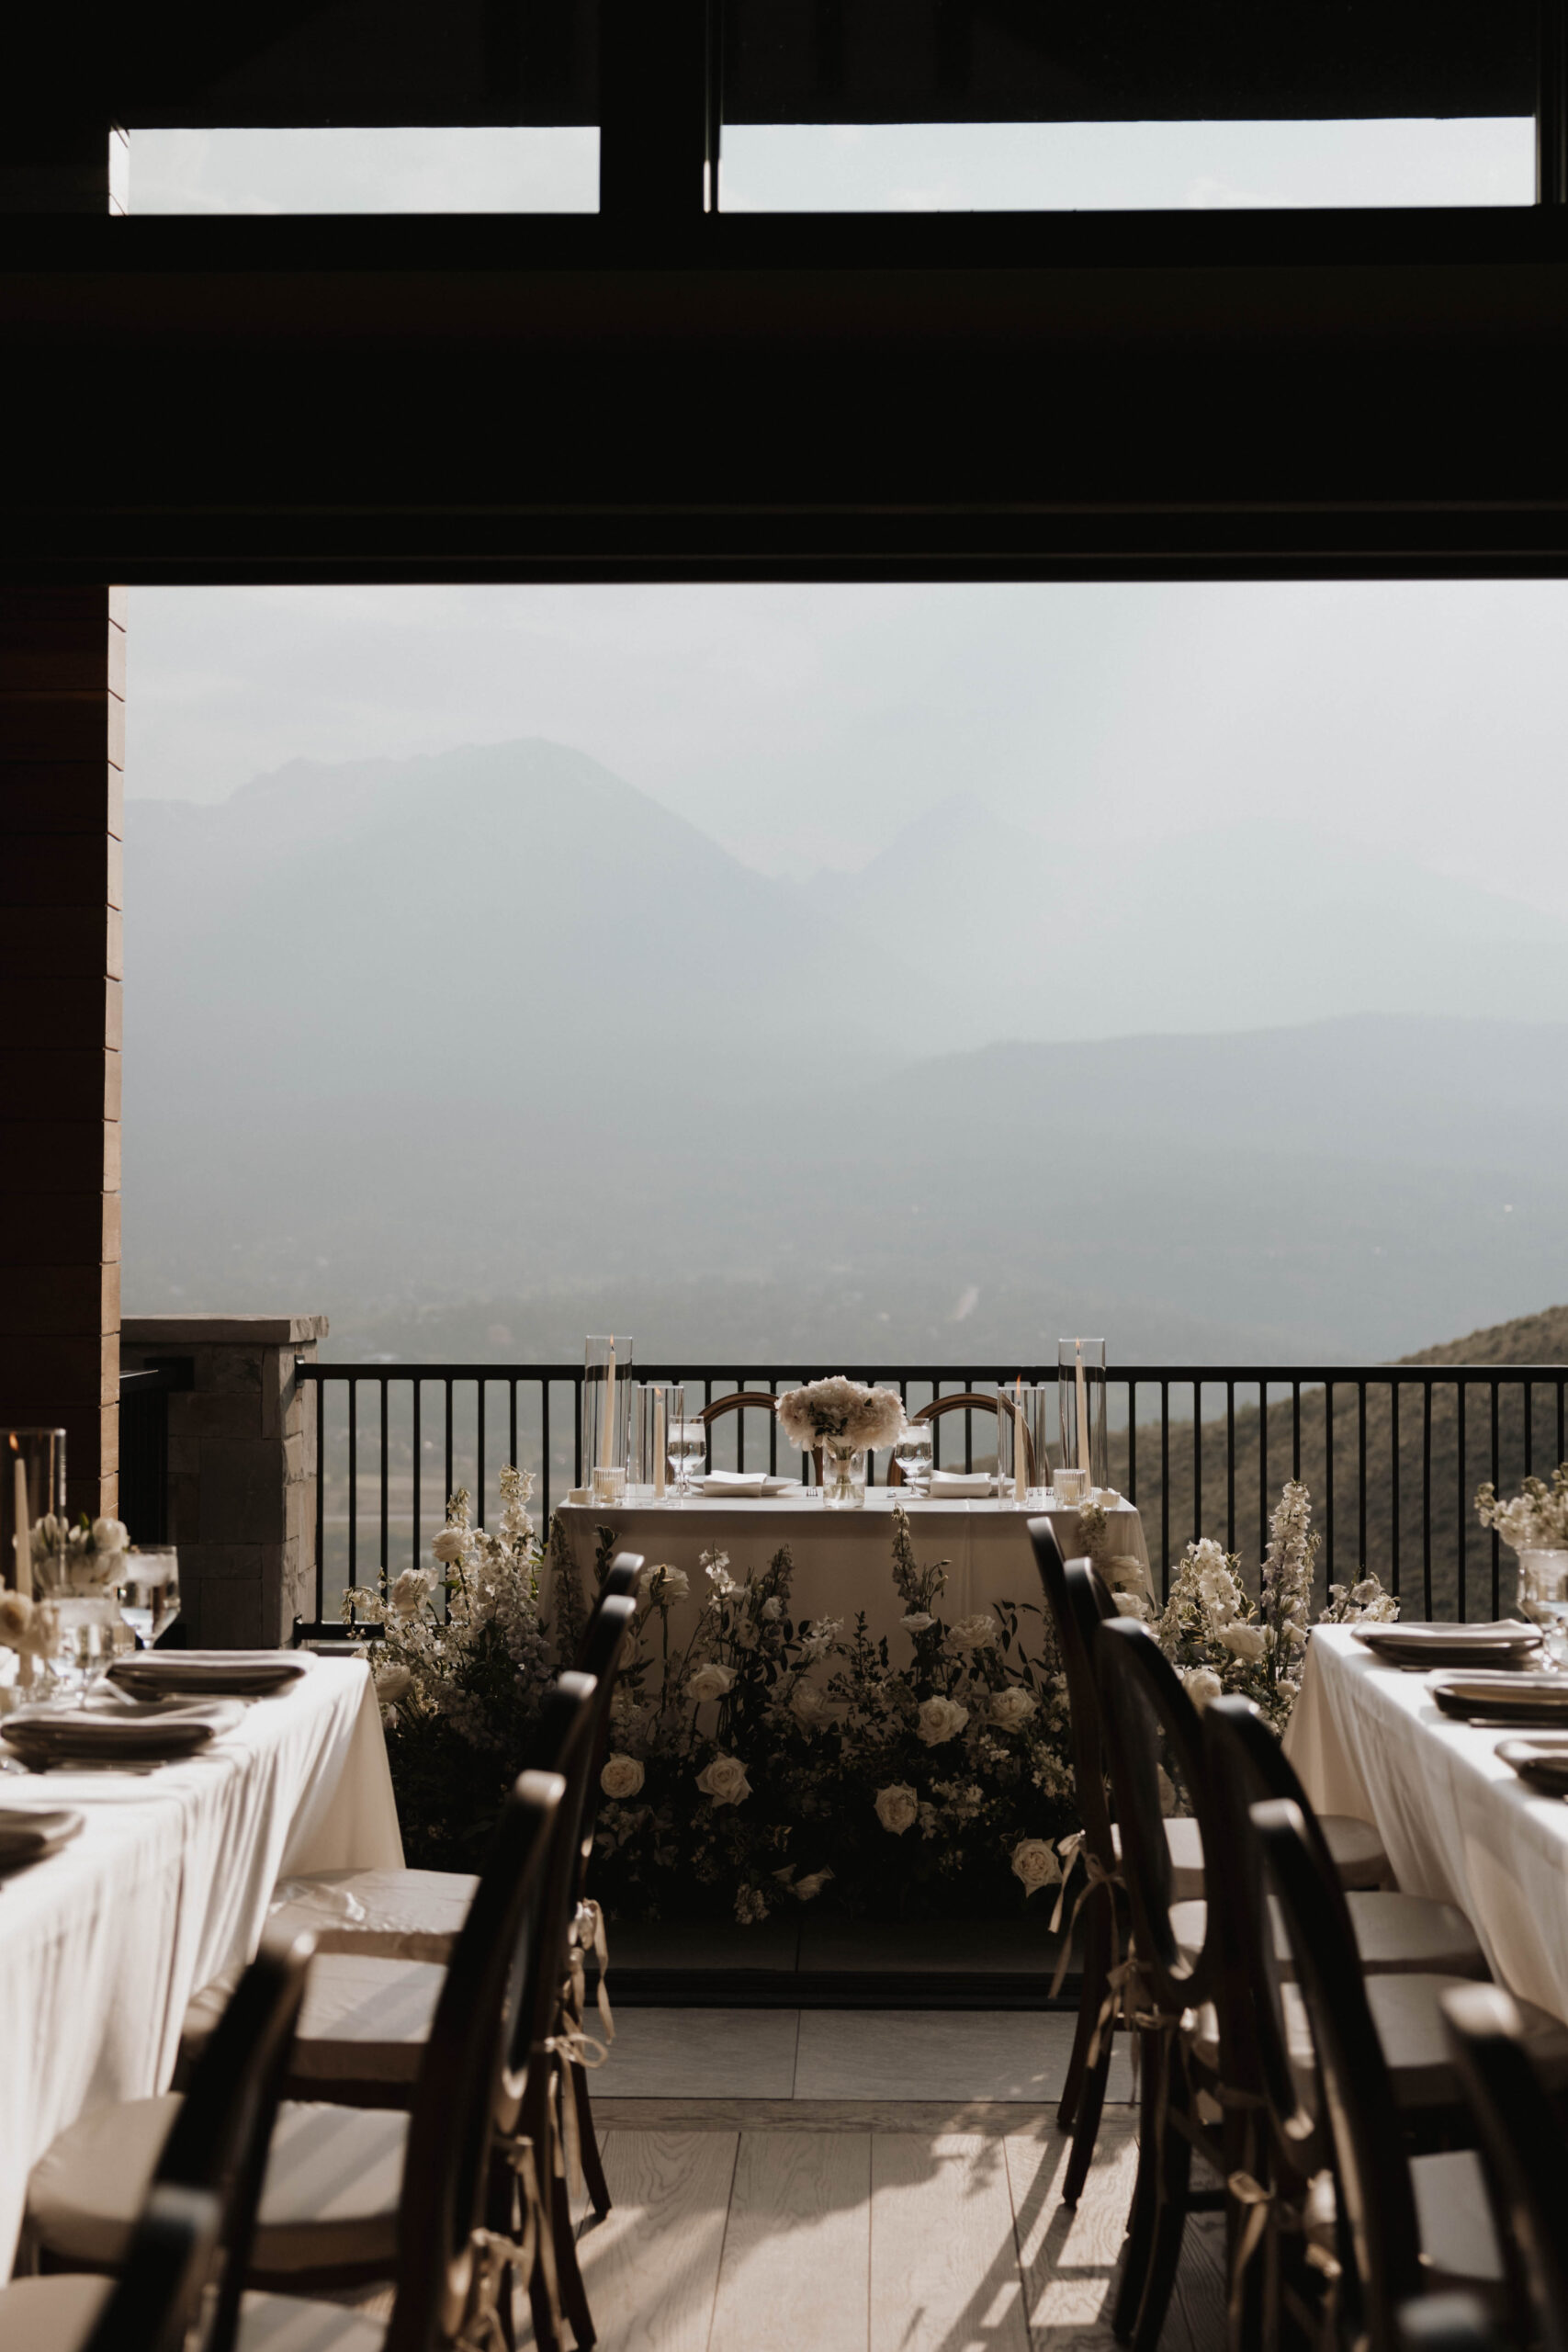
[1178,396]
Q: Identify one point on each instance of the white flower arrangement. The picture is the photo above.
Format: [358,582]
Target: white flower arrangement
[841,1413]
[81,1559]
[1220,1640]
[1533,1520]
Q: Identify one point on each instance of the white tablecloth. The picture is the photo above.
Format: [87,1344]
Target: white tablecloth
[1456,1823]
[103,1944]
[842,1558]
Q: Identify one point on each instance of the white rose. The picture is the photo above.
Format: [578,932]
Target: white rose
[393,1684]
[725,1781]
[807,1887]
[1011,1708]
[1202,1684]
[1035,1865]
[664,1586]
[621,1777]
[41,1637]
[897,1807]
[109,1536]
[1244,1641]
[917,1621]
[16,1618]
[451,1545]
[773,1608]
[940,1719]
[972,1632]
[410,1590]
[808,1706]
[709,1683]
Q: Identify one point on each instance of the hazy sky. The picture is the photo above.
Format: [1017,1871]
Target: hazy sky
[806,725]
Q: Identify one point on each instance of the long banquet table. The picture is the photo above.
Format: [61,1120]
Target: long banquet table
[1455,1821]
[103,1943]
[843,1557]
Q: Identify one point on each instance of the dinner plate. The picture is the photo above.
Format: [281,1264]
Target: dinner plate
[1499,1646]
[1542,1762]
[1504,1698]
[238,1674]
[160,1733]
[27,1833]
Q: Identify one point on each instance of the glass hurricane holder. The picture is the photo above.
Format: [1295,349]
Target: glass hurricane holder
[1080,1394]
[843,1476]
[606,1416]
[32,1486]
[648,1465]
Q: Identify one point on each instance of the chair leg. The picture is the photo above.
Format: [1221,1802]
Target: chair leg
[1095,1964]
[593,2178]
[1170,2225]
[1141,2219]
[1086,2127]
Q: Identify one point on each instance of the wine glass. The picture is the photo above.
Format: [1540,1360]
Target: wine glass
[912,1453]
[1543,1597]
[688,1443]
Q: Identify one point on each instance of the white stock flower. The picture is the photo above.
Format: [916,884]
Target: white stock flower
[710,1682]
[940,1719]
[663,1586]
[410,1590]
[393,1683]
[897,1807]
[451,1545]
[1011,1707]
[725,1781]
[621,1777]
[1202,1684]
[1244,1641]
[1034,1863]
[715,1567]
[972,1632]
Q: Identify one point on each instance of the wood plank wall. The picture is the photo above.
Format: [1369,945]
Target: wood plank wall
[61,762]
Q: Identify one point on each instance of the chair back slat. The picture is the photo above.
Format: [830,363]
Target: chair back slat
[154,2302]
[1526,2153]
[1071,1602]
[444,2174]
[1377,2200]
[604,1646]
[1148,1717]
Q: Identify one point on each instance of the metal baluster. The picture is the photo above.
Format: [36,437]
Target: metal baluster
[1230,1465]
[1529,1426]
[1462,1520]
[1361,1469]
[354,1483]
[1132,1443]
[1427,1494]
[1262,1468]
[448,1496]
[418,1447]
[480,1450]
[1196,1460]
[385,1569]
[320,1500]
[578,1382]
[1328,1479]
[1496,1473]
[512,1419]
[1295,1428]
[1393,1443]
[545,1446]
[1164,1489]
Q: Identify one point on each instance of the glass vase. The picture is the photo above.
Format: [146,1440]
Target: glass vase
[843,1476]
[606,1415]
[33,1487]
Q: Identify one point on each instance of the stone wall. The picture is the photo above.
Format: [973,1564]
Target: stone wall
[242,1470]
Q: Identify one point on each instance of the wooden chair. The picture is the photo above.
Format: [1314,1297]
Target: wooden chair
[1405,2225]
[1526,2153]
[199,2198]
[748,1400]
[969,1402]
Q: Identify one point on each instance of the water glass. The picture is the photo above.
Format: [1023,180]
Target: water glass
[148,1593]
[1543,1597]
[688,1447]
[912,1453]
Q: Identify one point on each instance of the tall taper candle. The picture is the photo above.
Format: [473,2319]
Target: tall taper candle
[24,1532]
[660,1442]
[607,1423]
[1084,1464]
[1020,1445]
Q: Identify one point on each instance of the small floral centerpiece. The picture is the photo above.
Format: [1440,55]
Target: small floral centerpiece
[461,1671]
[1220,1640]
[845,1419]
[30,1627]
[1533,1520]
[83,1559]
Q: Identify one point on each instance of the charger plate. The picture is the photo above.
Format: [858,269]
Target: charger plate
[27,1833]
[1542,1762]
[231,1674]
[1503,1645]
[1504,1698]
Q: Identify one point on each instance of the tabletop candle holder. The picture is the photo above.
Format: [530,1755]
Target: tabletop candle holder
[1023,1462]
[606,1416]
[1084,1442]
[657,1408]
[32,1486]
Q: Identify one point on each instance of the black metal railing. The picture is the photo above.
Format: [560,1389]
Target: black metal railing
[1393,1454]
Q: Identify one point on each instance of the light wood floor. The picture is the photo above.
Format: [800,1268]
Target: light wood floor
[802,2225]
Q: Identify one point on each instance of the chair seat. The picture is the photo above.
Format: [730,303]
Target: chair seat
[329,2202]
[365,2020]
[1185,1842]
[1406,2011]
[53,2314]
[388,1915]
[1393,1932]
[290,2324]
[1359,1854]
[1453,2215]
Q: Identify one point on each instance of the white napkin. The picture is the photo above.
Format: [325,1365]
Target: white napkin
[754,1483]
[961,1482]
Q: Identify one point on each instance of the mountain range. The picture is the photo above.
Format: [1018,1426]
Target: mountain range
[491,1041]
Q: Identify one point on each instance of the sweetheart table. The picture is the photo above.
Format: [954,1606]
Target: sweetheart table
[1454,1820]
[103,1943]
[842,1558]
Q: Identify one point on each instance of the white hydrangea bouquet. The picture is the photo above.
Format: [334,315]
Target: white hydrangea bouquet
[767,1758]
[1220,1640]
[460,1671]
[842,1415]
[1533,1520]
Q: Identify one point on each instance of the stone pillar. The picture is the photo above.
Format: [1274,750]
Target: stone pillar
[242,1470]
[61,756]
